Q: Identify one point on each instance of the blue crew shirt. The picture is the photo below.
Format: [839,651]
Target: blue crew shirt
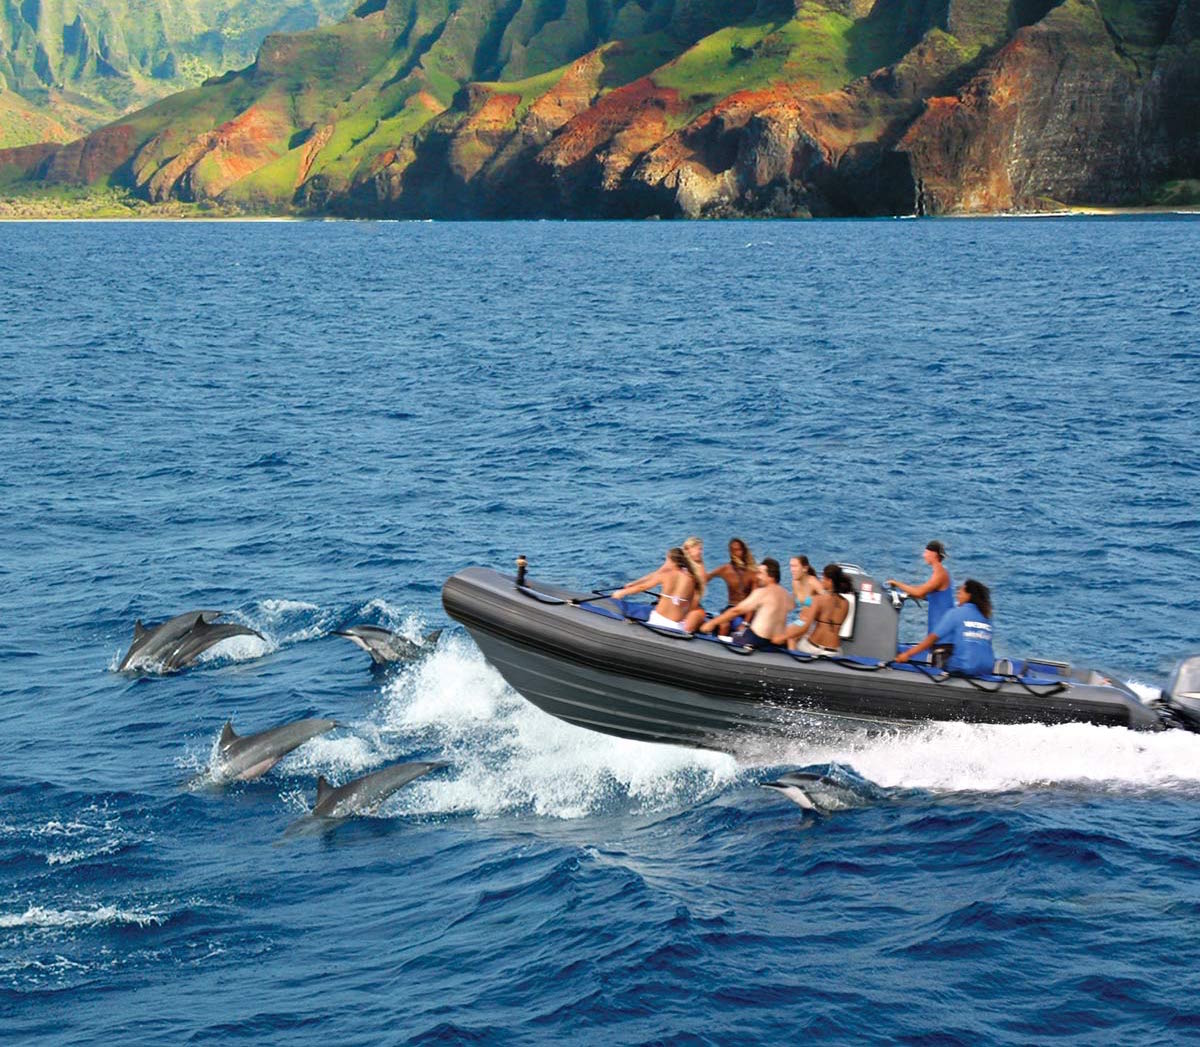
[940,604]
[971,634]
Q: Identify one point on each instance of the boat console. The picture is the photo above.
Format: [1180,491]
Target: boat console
[875,628]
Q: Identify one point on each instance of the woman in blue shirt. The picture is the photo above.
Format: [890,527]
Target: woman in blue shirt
[967,630]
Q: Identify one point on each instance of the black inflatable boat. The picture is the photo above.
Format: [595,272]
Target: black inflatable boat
[595,662]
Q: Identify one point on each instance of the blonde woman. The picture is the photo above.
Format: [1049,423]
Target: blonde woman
[693,549]
[676,606]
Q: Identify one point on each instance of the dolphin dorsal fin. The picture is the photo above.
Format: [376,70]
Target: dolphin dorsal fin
[139,630]
[227,734]
[323,789]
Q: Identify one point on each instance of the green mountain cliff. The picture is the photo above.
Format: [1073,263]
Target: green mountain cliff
[81,63]
[462,108]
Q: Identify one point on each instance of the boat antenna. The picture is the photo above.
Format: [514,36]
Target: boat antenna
[522,563]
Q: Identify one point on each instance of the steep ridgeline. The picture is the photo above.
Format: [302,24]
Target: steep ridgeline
[81,63]
[676,107]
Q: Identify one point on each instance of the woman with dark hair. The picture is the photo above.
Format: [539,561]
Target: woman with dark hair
[965,631]
[676,608]
[818,632]
[738,576]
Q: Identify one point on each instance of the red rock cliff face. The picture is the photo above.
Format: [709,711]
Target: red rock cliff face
[1057,113]
[787,107]
[1054,111]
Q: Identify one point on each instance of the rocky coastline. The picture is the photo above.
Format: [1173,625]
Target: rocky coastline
[755,108]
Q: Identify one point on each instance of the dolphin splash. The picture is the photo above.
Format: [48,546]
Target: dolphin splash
[243,757]
[386,647]
[179,641]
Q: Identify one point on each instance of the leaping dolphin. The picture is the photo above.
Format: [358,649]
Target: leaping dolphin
[385,646]
[833,788]
[179,641]
[243,757]
[360,796]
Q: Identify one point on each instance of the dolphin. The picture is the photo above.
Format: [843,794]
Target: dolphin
[150,643]
[825,790]
[360,796]
[203,636]
[243,757]
[179,641]
[385,646]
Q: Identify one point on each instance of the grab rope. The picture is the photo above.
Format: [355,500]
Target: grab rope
[541,597]
[941,676]
[674,634]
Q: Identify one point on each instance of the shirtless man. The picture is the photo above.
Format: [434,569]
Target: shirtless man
[938,591]
[769,604]
[738,575]
[675,609]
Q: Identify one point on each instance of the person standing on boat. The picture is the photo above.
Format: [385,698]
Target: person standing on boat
[938,591]
[738,576]
[966,631]
[766,608]
[676,608]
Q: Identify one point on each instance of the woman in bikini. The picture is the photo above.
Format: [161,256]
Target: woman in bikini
[817,632]
[738,576]
[806,586]
[677,606]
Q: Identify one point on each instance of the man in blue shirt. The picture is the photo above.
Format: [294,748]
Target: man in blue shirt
[967,629]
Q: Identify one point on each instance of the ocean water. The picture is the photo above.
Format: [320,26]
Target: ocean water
[311,425]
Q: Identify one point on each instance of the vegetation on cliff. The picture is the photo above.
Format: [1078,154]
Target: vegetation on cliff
[668,107]
[80,63]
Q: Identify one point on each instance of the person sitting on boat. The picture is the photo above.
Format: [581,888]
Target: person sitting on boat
[765,607]
[818,632]
[938,590]
[738,576]
[806,586]
[966,631]
[676,608]
[693,549]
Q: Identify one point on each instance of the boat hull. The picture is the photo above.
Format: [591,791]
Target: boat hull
[621,678]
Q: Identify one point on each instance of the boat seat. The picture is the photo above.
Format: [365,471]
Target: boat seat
[639,612]
[604,612]
[847,628]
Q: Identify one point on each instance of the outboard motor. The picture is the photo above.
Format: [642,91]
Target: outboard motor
[1182,693]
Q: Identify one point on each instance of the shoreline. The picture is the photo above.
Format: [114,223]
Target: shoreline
[109,210]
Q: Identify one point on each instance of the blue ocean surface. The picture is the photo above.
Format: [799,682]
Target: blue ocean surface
[314,424]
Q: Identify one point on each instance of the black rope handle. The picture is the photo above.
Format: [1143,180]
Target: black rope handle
[541,597]
[673,634]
